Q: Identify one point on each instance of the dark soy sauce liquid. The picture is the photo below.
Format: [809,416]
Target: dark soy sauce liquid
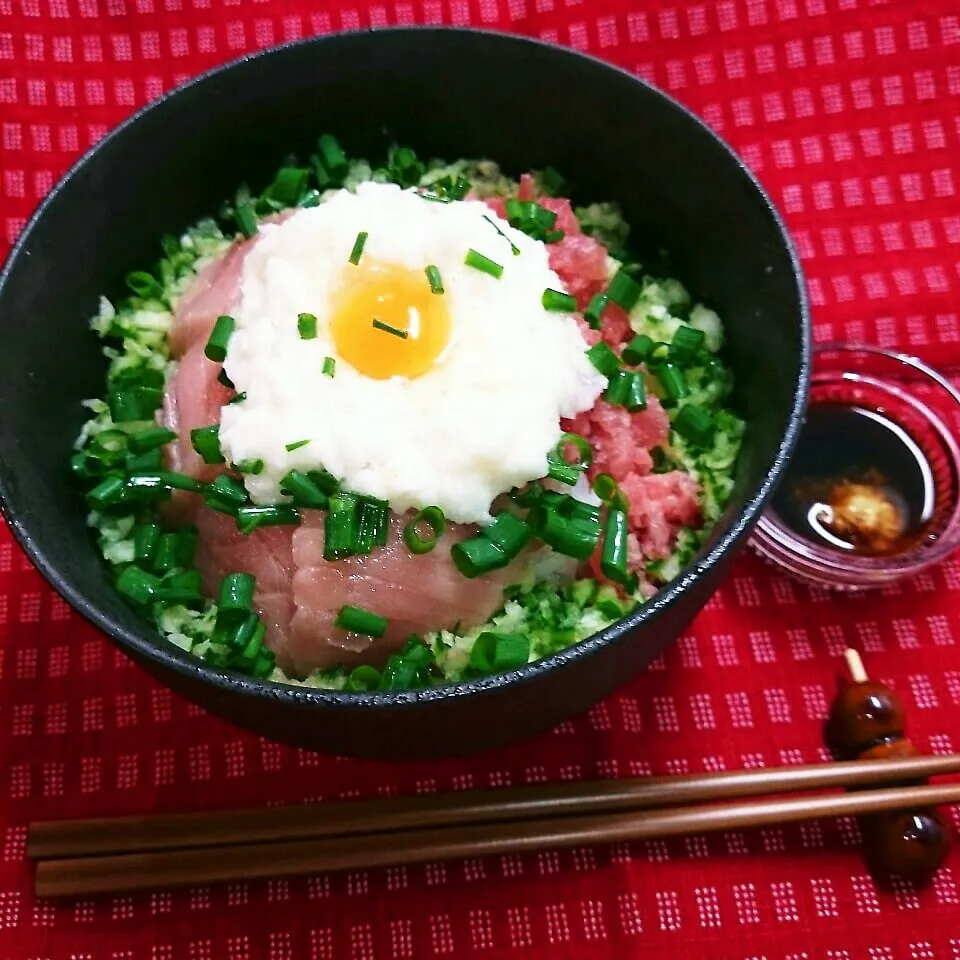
[841,443]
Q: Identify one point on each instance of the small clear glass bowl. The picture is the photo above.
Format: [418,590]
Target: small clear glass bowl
[927,407]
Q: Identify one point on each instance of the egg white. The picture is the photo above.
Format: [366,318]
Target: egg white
[484,417]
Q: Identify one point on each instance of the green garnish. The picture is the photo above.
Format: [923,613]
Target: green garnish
[246,219]
[558,300]
[386,328]
[296,445]
[694,424]
[206,441]
[433,518]
[673,381]
[572,535]
[267,515]
[253,466]
[299,486]
[484,264]
[216,348]
[604,359]
[434,279]
[307,326]
[613,561]
[594,311]
[329,367]
[499,652]
[331,155]
[624,290]
[358,620]
[637,350]
[357,250]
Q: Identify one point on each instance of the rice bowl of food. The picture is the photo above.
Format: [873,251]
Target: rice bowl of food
[395,425]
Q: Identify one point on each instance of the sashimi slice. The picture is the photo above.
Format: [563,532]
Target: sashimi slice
[215,290]
[193,398]
[417,593]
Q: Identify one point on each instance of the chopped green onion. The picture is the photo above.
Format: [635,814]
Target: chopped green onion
[288,186]
[310,198]
[214,502]
[141,376]
[499,652]
[434,279]
[573,537]
[146,536]
[405,168]
[434,519]
[637,350]
[206,441]
[264,665]
[109,446]
[148,439]
[224,380]
[477,555]
[296,445]
[340,529]
[673,381]
[146,488]
[246,219]
[107,493]
[484,264]
[148,462]
[181,586]
[332,156]
[618,389]
[604,359]
[267,515]
[554,183]
[694,424]
[509,533]
[138,585]
[166,556]
[240,633]
[306,326]
[613,560]
[637,394]
[358,620]
[253,466]
[329,367]
[227,489]
[144,285]
[514,249]
[399,674]
[362,679]
[657,355]
[357,250]
[373,524]
[85,466]
[624,290]
[563,470]
[216,348]
[685,345]
[532,219]
[299,486]
[386,328]
[134,403]
[558,300]
[179,481]
[608,490]
[239,398]
[187,547]
[594,312]
[327,482]
[236,592]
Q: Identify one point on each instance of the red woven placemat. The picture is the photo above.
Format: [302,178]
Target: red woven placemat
[849,111]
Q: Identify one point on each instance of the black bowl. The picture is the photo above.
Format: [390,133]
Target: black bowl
[449,93]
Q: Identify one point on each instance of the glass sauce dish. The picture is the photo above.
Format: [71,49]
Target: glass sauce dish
[872,491]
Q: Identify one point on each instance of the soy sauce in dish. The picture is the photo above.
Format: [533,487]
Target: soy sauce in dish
[857,482]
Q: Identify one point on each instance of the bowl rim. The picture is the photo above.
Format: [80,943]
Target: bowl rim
[191,667]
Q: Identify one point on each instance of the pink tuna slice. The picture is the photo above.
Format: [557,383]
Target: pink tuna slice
[299,594]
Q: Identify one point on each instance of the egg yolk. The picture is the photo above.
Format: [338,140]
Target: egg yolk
[397,298]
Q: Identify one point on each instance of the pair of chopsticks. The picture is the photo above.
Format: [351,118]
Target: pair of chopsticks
[82,857]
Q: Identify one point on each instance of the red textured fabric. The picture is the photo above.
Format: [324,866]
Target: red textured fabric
[849,111]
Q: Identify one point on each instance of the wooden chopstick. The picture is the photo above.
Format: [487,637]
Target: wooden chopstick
[176,868]
[96,837]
